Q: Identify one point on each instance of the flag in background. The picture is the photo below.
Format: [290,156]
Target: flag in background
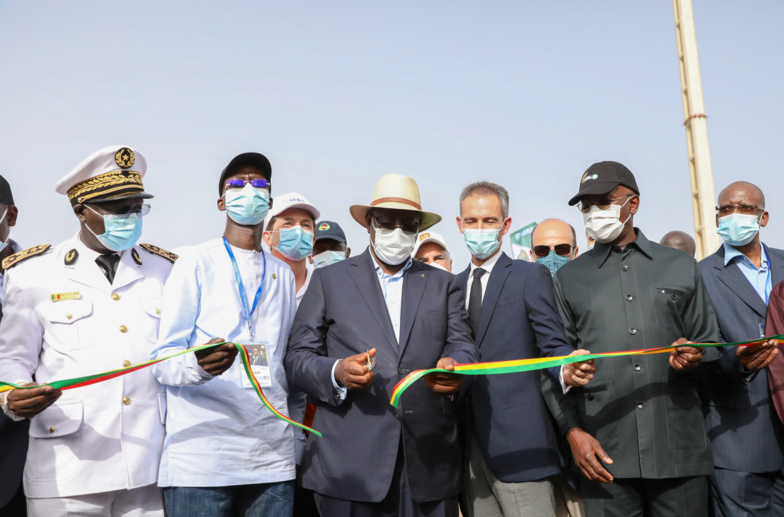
[520,240]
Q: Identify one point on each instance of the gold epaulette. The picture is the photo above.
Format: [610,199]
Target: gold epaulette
[16,258]
[155,250]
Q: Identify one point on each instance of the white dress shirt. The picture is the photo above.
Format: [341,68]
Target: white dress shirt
[218,433]
[488,267]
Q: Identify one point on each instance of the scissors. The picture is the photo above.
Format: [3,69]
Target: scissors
[371,363]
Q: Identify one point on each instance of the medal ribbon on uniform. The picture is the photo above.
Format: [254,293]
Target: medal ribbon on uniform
[87,380]
[248,313]
[542,363]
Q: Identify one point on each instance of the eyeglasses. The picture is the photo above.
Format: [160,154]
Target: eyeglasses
[240,183]
[741,209]
[408,227]
[123,211]
[584,205]
[560,249]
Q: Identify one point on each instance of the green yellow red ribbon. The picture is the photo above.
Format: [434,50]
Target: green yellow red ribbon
[542,363]
[78,382]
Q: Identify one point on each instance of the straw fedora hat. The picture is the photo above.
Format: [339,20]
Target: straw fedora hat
[397,192]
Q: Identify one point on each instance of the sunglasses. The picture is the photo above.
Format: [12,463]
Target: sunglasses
[240,183]
[560,249]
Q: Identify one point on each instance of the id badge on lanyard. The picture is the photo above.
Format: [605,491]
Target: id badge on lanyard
[257,349]
[259,365]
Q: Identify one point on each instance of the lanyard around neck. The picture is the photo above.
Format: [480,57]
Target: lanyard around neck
[241,287]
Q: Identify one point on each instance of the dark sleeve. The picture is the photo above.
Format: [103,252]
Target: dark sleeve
[459,343]
[544,316]
[699,320]
[774,324]
[562,405]
[307,365]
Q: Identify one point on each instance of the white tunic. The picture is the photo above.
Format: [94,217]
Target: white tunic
[102,437]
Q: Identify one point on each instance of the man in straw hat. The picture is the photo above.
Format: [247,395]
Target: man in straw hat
[89,305]
[364,324]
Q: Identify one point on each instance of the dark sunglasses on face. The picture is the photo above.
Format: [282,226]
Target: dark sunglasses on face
[408,227]
[240,183]
[560,249]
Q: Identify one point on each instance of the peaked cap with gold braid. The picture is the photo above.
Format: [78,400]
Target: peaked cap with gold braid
[113,173]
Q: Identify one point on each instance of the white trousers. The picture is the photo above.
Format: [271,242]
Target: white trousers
[145,501]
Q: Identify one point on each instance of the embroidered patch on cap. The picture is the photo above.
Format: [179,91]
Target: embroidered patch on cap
[124,158]
[586,177]
[323,227]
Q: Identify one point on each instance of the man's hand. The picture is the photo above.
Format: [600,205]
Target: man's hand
[579,374]
[585,449]
[756,357]
[218,359]
[28,403]
[684,358]
[353,373]
[445,383]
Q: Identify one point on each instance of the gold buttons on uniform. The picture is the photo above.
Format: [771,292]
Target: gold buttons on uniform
[126,400]
[69,315]
[126,363]
[115,296]
[123,329]
[157,311]
[51,429]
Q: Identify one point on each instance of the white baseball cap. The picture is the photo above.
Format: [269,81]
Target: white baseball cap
[428,236]
[283,202]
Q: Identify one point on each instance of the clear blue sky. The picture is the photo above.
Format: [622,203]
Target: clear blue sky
[336,94]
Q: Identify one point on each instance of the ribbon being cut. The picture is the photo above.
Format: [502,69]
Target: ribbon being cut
[541,363]
[87,380]
[495,368]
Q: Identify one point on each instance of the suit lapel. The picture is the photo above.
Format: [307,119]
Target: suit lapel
[733,278]
[414,281]
[494,286]
[463,279]
[363,273]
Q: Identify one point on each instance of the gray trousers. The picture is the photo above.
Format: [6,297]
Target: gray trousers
[486,496]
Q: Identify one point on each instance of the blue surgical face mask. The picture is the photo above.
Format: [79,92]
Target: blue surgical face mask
[295,243]
[482,243]
[553,261]
[325,258]
[248,205]
[738,229]
[120,232]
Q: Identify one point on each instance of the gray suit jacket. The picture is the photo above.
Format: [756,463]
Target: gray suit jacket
[343,313]
[745,433]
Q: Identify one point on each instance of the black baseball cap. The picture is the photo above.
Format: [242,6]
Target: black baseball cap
[329,230]
[6,197]
[255,160]
[603,177]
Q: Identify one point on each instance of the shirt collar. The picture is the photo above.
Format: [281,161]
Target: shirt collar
[489,263]
[602,250]
[380,272]
[731,253]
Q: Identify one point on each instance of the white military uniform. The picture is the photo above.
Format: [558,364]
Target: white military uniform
[103,437]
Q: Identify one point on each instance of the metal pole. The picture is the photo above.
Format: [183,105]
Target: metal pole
[702,193]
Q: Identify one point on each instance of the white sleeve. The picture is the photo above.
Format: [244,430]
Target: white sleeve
[21,332]
[179,311]
[564,387]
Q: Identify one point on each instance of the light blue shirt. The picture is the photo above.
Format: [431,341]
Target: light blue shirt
[759,278]
[218,433]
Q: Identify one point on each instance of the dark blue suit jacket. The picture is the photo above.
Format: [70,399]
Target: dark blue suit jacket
[519,320]
[745,433]
[343,313]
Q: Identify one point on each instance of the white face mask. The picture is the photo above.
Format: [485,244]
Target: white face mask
[393,247]
[4,243]
[605,225]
